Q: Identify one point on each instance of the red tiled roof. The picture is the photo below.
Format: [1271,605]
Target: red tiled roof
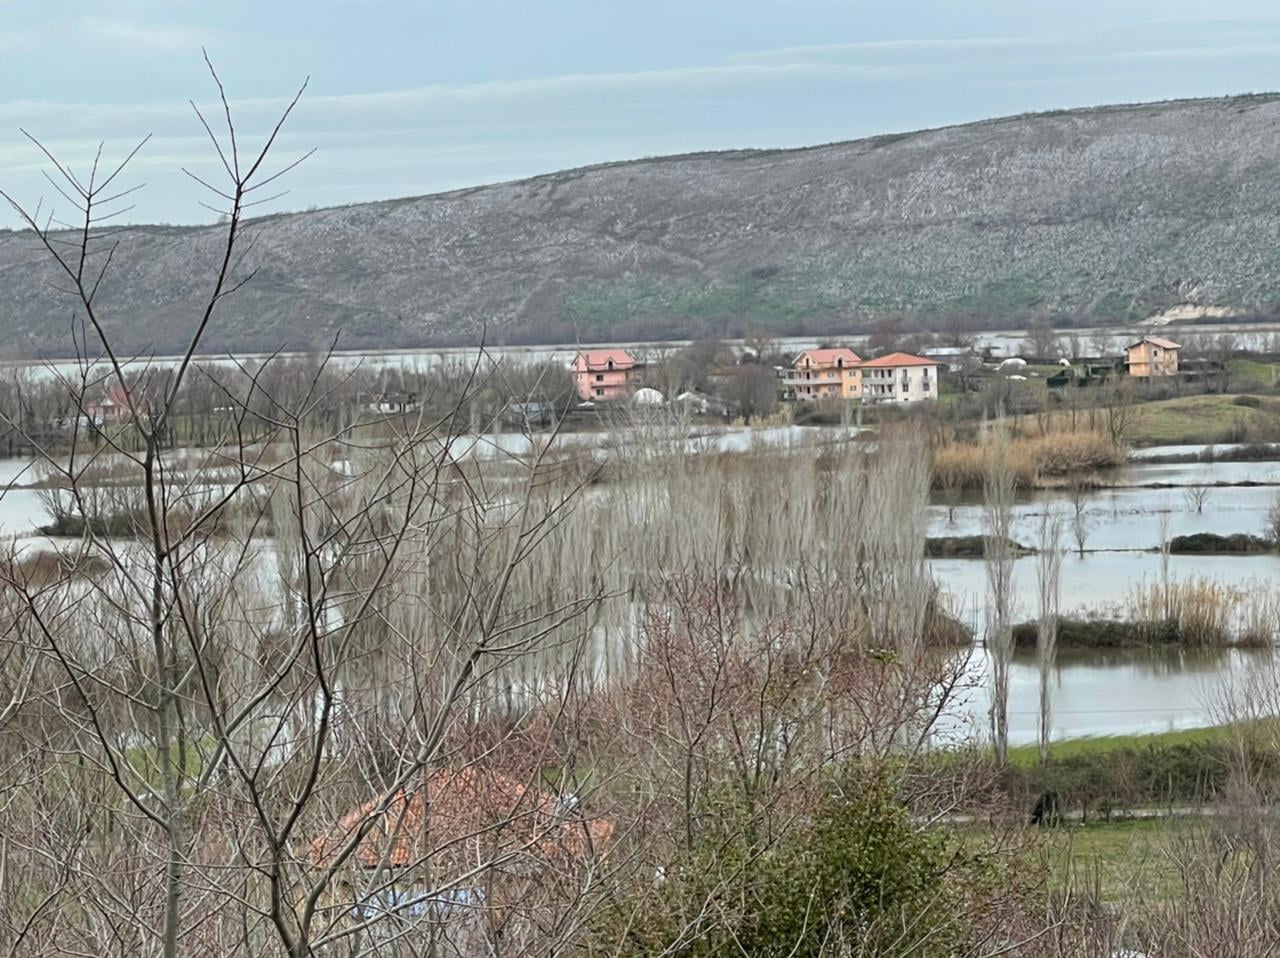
[455,813]
[599,358]
[894,360]
[828,357]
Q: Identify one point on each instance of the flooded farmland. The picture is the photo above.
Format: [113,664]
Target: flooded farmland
[1096,691]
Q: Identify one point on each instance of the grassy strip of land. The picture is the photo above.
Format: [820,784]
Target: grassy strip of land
[1026,756]
[1206,419]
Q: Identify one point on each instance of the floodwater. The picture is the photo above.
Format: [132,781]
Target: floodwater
[1001,342]
[1113,691]
[1095,691]
[709,440]
[1099,583]
[1123,518]
[1118,691]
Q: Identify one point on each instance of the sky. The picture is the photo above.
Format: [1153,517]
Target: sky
[406,98]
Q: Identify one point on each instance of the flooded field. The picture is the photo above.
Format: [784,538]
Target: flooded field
[1096,691]
[1114,691]
[1120,691]
[1123,518]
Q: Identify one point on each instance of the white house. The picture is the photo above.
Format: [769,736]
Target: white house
[899,377]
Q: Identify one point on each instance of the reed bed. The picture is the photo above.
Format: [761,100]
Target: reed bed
[1030,459]
[1204,612]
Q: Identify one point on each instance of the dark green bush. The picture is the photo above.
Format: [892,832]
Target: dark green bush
[858,878]
[1102,633]
[966,547]
[1140,776]
[1211,542]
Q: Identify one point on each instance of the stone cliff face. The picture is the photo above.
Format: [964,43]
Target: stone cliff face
[1115,211]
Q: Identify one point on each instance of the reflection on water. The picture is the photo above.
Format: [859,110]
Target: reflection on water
[1122,518]
[1191,473]
[1100,582]
[1112,691]
[1096,692]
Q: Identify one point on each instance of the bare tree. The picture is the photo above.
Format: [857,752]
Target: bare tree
[1048,582]
[1166,584]
[216,711]
[1195,496]
[998,487]
[1042,341]
[1273,519]
[1120,413]
[1078,499]
[753,389]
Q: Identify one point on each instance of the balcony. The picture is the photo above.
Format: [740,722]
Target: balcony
[797,380]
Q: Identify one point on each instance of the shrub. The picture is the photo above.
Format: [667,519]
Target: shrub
[1211,542]
[1102,633]
[966,547]
[858,877]
[1251,402]
[1127,776]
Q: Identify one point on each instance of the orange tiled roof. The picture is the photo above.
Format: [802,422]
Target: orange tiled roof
[456,813]
[894,360]
[599,358]
[828,357]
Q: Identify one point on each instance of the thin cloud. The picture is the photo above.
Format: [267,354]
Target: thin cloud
[548,88]
[158,38]
[823,51]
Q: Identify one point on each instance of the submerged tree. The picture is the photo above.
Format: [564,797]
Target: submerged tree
[1048,580]
[997,490]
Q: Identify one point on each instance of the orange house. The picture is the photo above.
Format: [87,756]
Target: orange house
[604,374]
[826,374]
[1152,356]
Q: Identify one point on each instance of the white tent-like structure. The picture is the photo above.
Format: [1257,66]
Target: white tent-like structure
[648,397]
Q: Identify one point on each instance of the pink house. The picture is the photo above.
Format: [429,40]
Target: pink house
[604,374]
[826,374]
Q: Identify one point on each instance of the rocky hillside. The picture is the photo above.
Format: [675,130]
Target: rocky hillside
[1111,213]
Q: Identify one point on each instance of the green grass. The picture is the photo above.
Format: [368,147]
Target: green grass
[1116,859]
[1025,756]
[1252,372]
[1204,419]
[1110,861]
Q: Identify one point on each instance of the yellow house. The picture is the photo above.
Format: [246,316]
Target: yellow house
[1152,356]
[826,374]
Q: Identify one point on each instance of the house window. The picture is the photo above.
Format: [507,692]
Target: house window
[599,377]
[611,364]
[599,392]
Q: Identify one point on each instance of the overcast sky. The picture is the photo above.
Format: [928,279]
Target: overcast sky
[416,97]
